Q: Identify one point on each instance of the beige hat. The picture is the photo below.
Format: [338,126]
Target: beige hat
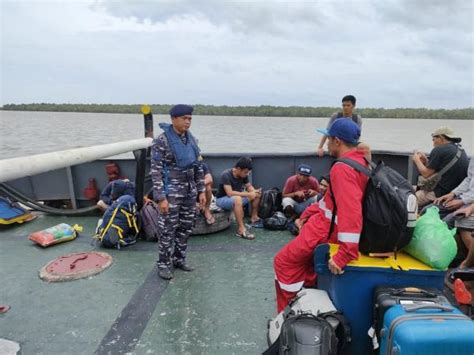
[448,132]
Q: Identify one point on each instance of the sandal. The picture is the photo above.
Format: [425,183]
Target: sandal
[210,221]
[245,235]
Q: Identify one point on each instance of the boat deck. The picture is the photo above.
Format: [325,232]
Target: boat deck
[220,308]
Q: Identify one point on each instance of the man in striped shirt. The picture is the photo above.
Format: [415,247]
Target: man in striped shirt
[294,263]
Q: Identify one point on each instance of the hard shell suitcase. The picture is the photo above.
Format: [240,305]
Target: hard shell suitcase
[386,297]
[426,329]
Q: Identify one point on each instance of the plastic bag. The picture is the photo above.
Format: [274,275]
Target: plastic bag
[433,242]
[58,234]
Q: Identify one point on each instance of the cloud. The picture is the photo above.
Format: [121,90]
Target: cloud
[391,53]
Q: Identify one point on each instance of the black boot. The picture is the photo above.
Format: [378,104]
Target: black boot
[184,267]
[165,273]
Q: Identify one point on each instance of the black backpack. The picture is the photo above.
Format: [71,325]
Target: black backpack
[270,202]
[389,209]
[307,334]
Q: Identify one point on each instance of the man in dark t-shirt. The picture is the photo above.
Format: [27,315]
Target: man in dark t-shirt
[446,148]
[235,192]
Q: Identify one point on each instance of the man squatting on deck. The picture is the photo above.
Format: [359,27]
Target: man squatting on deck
[178,179]
[294,262]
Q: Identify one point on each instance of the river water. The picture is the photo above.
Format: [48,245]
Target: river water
[23,133]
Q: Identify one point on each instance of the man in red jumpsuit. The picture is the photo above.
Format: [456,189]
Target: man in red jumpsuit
[294,263]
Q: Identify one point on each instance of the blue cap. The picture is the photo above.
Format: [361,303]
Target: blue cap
[181,110]
[304,169]
[344,129]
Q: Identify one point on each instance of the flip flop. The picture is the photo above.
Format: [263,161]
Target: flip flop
[210,221]
[245,235]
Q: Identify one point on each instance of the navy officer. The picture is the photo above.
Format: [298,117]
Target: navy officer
[178,179]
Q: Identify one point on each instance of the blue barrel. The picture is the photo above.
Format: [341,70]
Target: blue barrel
[352,292]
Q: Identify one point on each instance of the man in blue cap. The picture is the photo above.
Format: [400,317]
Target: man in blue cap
[178,179]
[294,263]
[299,192]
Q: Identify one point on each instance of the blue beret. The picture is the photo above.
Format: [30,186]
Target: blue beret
[181,110]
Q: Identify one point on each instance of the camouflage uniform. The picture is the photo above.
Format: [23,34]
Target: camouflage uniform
[181,190]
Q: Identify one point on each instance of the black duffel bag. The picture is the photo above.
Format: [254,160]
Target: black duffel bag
[277,221]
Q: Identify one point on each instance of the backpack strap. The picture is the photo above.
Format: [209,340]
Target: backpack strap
[451,162]
[334,213]
[343,330]
[355,165]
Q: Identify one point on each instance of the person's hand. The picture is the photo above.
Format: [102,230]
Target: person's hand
[320,152]
[336,270]
[299,194]
[202,200]
[102,205]
[164,207]
[454,204]
[416,157]
[252,195]
[423,157]
[259,191]
[444,199]
[298,223]
[466,211]
[312,193]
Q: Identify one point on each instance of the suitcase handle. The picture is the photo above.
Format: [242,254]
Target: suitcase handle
[402,291]
[428,306]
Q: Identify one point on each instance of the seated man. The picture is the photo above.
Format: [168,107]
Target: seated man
[294,263]
[113,191]
[299,192]
[466,227]
[447,159]
[323,186]
[235,192]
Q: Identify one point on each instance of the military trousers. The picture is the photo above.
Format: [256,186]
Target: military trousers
[175,228]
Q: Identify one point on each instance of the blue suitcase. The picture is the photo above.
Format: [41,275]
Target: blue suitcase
[426,329]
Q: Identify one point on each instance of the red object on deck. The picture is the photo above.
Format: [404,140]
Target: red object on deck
[91,192]
[462,294]
[75,266]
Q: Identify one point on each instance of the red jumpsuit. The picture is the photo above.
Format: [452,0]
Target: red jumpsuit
[294,263]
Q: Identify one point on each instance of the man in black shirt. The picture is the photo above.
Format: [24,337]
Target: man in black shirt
[235,192]
[446,150]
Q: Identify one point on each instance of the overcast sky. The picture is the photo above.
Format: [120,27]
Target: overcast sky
[388,53]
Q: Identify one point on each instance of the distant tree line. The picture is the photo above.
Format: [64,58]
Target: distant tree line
[284,111]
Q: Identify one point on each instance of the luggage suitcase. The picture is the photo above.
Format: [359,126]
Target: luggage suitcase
[386,297]
[426,329]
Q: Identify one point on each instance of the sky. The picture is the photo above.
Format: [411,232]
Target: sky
[388,53]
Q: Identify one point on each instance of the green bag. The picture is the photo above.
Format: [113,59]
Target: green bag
[433,242]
